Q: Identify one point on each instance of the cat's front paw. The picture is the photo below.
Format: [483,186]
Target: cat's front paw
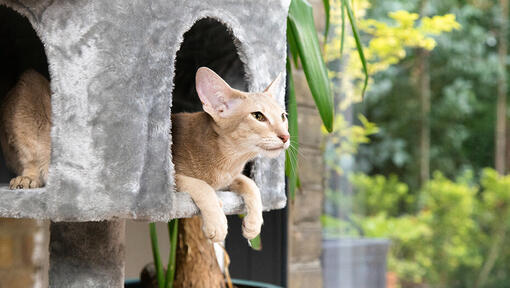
[24,182]
[215,226]
[252,224]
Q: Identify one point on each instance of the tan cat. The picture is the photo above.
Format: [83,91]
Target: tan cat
[25,123]
[211,148]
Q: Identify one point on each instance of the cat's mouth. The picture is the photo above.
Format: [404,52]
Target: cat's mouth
[273,149]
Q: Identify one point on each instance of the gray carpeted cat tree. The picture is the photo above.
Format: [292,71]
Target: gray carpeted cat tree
[118,69]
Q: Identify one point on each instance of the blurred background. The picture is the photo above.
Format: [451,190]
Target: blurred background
[416,191]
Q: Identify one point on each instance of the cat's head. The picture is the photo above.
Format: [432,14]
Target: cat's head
[253,122]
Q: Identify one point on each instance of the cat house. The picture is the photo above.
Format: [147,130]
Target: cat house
[118,69]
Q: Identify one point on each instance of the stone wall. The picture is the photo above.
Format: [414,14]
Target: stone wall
[305,231]
[23,253]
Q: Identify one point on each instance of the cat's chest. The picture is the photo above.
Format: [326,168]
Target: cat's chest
[221,181]
[222,178]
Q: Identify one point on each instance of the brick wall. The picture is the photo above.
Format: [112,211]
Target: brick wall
[23,253]
[305,233]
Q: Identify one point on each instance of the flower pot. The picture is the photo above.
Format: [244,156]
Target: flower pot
[354,263]
[239,283]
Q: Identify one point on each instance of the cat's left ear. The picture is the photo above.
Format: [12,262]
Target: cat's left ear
[272,89]
[218,99]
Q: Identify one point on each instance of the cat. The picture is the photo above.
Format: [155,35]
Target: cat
[212,147]
[25,123]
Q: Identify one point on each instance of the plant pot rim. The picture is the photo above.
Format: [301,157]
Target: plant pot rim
[254,284]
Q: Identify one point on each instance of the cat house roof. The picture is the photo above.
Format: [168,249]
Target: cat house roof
[112,65]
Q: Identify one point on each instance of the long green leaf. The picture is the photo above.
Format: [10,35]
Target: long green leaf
[326,11]
[291,160]
[293,49]
[302,27]
[155,255]
[342,39]
[256,243]
[172,233]
[359,46]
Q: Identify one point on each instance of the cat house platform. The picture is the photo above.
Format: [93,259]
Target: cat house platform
[35,204]
[118,69]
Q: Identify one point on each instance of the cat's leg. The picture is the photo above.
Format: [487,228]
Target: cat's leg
[30,167]
[21,157]
[253,220]
[32,155]
[214,221]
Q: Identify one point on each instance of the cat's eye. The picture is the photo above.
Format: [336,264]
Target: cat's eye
[259,116]
[284,116]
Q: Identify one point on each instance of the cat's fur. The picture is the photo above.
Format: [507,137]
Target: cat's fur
[210,149]
[25,123]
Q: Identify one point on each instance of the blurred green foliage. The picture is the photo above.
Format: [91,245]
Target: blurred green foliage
[463,73]
[445,231]
[387,45]
[448,236]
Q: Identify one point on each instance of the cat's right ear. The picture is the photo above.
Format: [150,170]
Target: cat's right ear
[217,97]
[274,87]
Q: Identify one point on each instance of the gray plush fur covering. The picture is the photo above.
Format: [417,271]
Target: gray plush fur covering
[89,254]
[112,66]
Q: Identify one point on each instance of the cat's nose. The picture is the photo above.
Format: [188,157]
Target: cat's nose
[284,137]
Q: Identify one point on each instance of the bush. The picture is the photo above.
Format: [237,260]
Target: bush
[445,237]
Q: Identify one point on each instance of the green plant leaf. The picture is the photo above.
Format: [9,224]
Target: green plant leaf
[326,11]
[359,46]
[155,255]
[301,25]
[256,243]
[173,231]
[291,160]
[293,49]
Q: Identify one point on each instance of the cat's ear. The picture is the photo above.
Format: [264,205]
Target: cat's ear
[272,89]
[218,99]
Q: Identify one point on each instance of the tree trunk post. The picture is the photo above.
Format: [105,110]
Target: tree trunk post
[196,262]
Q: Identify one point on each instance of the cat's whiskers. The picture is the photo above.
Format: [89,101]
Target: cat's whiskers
[293,168]
[295,149]
[295,152]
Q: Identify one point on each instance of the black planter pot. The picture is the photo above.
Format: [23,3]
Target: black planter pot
[354,263]
[238,282]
